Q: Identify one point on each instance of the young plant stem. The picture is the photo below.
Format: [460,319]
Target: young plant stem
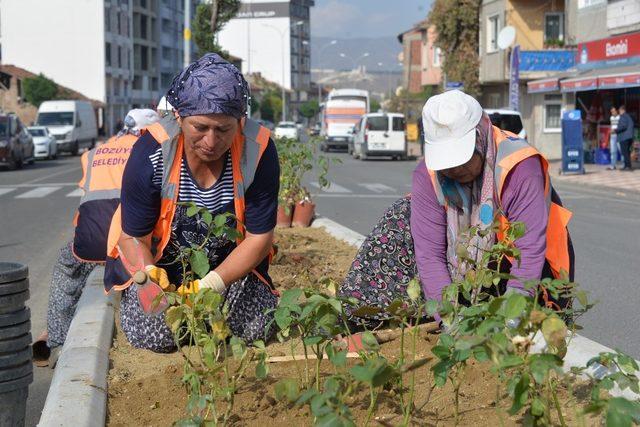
[556,402]
[319,351]
[408,410]
[373,397]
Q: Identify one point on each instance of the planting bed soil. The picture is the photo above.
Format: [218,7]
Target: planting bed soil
[146,389]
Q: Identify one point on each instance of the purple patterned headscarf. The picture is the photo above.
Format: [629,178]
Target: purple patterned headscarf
[210,85]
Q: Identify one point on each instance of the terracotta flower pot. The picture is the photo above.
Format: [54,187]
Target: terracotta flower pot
[303,213]
[285,213]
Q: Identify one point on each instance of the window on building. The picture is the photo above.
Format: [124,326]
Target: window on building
[143,27]
[154,30]
[554,26]
[119,57]
[116,87]
[107,18]
[494,100]
[166,53]
[552,113]
[125,92]
[437,53]
[143,4]
[166,26]
[137,83]
[493,28]
[144,58]
[165,80]
[107,53]
[154,83]
[154,58]
[119,23]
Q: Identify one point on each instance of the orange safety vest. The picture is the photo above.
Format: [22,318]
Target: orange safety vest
[102,169]
[247,148]
[511,150]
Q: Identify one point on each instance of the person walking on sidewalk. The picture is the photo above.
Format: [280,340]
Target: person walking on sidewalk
[472,174]
[624,133]
[212,155]
[613,138]
[102,169]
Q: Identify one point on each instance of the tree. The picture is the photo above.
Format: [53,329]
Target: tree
[375,105]
[271,106]
[39,89]
[458,25]
[203,36]
[309,108]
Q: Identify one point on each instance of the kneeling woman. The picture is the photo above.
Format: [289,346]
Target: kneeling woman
[213,156]
[472,170]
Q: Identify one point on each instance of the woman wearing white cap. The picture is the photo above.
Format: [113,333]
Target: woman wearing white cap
[472,171]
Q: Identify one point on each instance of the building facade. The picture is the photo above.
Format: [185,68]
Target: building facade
[119,52]
[272,38]
[543,52]
[421,58]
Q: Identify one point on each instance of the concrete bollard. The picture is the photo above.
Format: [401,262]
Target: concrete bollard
[16,370]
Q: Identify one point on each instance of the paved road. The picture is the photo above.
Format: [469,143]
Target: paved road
[605,231]
[37,208]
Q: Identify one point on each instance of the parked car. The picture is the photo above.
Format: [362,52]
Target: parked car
[72,123]
[379,134]
[287,130]
[509,120]
[16,145]
[45,144]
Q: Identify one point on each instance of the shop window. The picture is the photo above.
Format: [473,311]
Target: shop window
[554,27]
[552,114]
[493,28]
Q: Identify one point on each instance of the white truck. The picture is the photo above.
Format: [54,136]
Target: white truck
[72,123]
[340,113]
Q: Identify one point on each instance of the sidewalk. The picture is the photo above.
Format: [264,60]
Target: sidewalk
[599,176]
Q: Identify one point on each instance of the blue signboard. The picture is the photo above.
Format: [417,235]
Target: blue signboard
[454,85]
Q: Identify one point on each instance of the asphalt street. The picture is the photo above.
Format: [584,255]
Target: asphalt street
[38,203]
[605,230]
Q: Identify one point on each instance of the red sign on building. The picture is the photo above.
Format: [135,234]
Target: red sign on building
[612,50]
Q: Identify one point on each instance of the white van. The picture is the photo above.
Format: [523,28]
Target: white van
[72,124]
[380,134]
[508,120]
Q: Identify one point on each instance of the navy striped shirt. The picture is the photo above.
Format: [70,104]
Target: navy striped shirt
[142,180]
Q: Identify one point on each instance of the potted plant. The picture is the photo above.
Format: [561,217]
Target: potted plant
[296,160]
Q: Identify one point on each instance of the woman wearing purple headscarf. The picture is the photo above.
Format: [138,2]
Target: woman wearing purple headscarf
[226,162]
[471,172]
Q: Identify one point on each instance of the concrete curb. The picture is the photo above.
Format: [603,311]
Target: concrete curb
[579,352]
[78,392]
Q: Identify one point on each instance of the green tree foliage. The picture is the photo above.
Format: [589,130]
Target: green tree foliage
[375,105]
[271,106]
[458,24]
[39,89]
[203,37]
[309,108]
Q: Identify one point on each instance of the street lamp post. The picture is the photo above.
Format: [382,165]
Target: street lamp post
[282,34]
[331,43]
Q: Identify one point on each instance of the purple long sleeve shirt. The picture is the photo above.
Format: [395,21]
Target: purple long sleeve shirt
[522,200]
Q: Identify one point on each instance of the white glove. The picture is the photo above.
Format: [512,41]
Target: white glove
[211,281]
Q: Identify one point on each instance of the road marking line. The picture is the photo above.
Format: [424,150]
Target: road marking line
[358,196]
[6,190]
[61,184]
[37,192]
[51,175]
[78,192]
[333,188]
[377,188]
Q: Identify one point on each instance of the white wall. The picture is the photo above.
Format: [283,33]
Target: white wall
[63,39]
[266,46]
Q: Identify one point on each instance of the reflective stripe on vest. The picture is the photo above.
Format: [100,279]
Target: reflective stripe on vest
[511,150]
[246,150]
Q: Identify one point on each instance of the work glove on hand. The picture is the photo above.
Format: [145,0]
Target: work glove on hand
[159,276]
[211,281]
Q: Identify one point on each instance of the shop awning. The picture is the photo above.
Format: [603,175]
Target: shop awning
[618,78]
[543,85]
[579,84]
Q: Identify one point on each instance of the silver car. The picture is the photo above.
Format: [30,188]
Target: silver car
[44,143]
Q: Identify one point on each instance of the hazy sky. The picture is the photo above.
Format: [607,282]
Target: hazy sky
[365,18]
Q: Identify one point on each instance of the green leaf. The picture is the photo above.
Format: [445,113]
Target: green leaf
[290,297]
[515,305]
[376,372]
[441,352]
[369,341]
[414,290]
[554,331]
[207,217]
[337,358]
[199,263]
[220,220]
[622,412]
[309,341]
[192,210]
[510,361]
[283,317]
[440,372]
[306,396]
[520,395]
[262,370]
[287,389]
[581,296]
[537,407]
[480,354]
[432,307]
[173,317]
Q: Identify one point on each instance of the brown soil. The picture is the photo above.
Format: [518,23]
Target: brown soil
[145,388]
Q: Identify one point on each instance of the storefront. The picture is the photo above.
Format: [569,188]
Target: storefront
[607,75]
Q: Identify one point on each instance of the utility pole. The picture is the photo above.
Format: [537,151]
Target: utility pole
[187,33]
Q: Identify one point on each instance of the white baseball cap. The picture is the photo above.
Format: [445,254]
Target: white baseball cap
[140,118]
[449,121]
